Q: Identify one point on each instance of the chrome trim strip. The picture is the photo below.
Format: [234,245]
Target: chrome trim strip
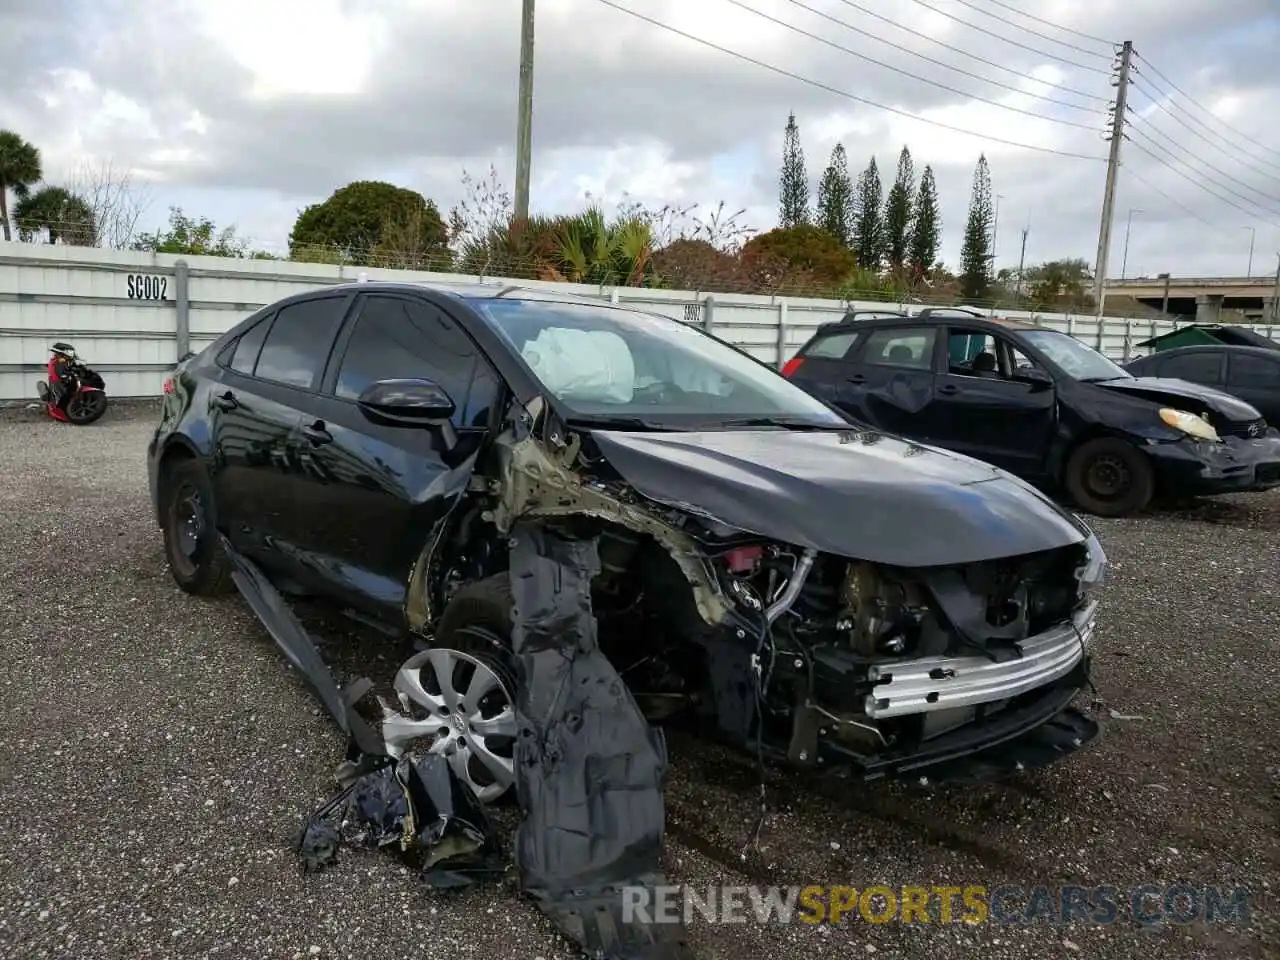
[1045,657]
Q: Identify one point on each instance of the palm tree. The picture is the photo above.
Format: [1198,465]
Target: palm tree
[19,169]
[64,215]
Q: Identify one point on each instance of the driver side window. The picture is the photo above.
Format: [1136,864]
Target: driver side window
[399,338]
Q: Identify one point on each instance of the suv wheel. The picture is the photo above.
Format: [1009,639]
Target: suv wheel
[196,558]
[1109,477]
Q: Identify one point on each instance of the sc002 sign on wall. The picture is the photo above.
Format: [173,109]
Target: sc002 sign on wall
[144,287]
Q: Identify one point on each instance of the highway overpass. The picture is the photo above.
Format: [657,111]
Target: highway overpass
[1203,298]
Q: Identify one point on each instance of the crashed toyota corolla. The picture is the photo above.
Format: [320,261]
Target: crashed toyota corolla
[766,570]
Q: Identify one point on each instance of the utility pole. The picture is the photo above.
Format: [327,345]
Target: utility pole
[995,229]
[1253,236]
[1164,304]
[1275,294]
[1022,262]
[524,120]
[1113,170]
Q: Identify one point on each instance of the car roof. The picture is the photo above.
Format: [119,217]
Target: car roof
[1234,348]
[939,316]
[469,290]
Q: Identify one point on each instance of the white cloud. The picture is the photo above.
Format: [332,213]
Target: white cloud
[247,111]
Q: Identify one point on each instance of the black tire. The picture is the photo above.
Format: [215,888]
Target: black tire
[196,559]
[477,620]
[86,408]
[1109,477]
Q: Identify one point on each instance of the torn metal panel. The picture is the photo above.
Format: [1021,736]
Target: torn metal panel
[418,809]
[589,767]
[292,638]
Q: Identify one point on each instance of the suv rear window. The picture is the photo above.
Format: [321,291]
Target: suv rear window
[832,346]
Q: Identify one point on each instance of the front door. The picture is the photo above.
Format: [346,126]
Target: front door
[986,405]
[376,492]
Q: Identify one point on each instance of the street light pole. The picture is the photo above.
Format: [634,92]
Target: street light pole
[1124,262]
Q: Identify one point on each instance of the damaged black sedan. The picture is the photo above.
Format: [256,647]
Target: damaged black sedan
[830,595]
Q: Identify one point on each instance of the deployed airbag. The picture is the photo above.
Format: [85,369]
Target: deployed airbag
[591,365]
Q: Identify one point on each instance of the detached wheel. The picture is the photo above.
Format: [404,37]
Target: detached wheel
[196,558]
[462,692]
[1109,477]
[86,407]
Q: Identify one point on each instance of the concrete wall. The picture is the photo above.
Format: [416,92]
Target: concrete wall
[131,315]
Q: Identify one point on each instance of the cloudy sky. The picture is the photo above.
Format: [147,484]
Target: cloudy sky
[247,110]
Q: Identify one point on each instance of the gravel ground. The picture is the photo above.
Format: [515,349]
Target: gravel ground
[157,753]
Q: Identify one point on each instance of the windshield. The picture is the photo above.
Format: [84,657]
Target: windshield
[606,362]
[1075,358]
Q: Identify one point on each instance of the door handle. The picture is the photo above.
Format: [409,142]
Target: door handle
[227,401]
[948,389]
[317,434]
[857,379]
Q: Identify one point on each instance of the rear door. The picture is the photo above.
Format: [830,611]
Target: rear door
[1255,379]
[375,493]
[266,384]
[983,408]
[824,364]
[889,381]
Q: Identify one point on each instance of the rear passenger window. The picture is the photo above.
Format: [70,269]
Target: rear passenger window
[909,347]
[298,343]
[834,346]
[245,357]
[1196,367]
[396,338]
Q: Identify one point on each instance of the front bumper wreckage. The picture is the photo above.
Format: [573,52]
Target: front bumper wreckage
[589,767]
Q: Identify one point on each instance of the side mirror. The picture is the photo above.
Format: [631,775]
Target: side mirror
[406,403]
[1034,375]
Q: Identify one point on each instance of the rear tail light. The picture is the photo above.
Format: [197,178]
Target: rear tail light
[791,366]
[168,385]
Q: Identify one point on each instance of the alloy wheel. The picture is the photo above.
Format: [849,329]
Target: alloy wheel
[466,714]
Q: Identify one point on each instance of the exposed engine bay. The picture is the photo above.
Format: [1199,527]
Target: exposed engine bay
[820,658]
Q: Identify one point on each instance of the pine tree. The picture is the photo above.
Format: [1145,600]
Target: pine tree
[975,259]
[869,227]
[926,227]
[835,198]
[897,211]
[794,181]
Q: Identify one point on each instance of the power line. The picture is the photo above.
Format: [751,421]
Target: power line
[842,93]
[1209,113]
[928,59]
[1050,23]
[1215,143]
[1035,33]
[1177,149]
[906,73]
[1009,40]
[972,56]
[1199,184]
[1159,97]
[1177,203]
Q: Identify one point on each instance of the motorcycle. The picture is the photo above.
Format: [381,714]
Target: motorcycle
[75,393]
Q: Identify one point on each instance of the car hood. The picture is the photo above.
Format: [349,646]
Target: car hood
[1185,395]
[854,494]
